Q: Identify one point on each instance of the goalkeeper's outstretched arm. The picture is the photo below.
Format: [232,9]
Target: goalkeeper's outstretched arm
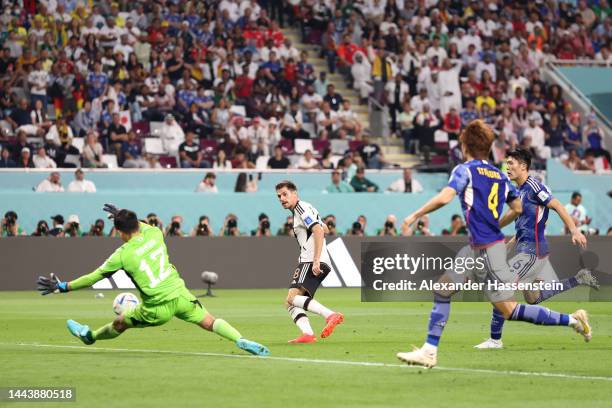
[54,285]
[110,266]
[88,280]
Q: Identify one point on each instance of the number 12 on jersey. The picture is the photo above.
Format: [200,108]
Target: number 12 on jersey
[164,271]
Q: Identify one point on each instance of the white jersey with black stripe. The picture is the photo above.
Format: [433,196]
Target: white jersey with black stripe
[305,216]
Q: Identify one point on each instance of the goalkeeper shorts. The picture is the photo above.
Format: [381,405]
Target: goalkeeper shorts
[186,307]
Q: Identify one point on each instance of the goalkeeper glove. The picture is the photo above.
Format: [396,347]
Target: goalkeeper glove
[111,209]
[51,285]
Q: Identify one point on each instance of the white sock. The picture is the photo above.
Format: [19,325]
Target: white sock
[300,319]
[430,348]
[308,303]
[572,321]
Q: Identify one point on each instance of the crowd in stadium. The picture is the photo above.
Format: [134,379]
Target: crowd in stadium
[217,84]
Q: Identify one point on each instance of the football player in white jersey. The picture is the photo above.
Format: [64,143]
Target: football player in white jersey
[313,265]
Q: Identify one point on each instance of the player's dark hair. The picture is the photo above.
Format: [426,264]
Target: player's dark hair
[477,137]
[126,221]
[522,156]
[289,185]
[576,194]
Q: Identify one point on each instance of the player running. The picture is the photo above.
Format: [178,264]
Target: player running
[531,263]
[144,258]
[482,189]
[313,265]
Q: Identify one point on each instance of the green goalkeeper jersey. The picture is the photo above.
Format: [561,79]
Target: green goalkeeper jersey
[145,260]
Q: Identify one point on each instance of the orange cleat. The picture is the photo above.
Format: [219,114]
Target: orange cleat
[304,338]
[332,321]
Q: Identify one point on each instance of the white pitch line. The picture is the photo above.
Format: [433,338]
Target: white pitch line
[320,361]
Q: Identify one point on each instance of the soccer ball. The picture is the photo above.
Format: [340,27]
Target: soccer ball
[124,302]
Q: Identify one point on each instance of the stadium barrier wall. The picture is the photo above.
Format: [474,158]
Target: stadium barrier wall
[186,180]
[242,262]
[171,192]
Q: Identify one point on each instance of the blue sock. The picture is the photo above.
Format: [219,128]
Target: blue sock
[437,319]
[567,285]
[497,324]
[539,315]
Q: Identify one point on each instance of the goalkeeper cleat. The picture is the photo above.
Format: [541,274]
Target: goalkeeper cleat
[419,356]
[490,344]
[582,326]
[252,347]
[81,332]
[585,277]
[332,321]
[304,338]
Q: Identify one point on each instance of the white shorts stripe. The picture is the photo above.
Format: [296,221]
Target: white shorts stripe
[303,273]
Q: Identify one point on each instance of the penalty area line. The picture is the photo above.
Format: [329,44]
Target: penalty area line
[320,361]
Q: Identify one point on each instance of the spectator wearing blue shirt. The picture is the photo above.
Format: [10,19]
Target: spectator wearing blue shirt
[97,81]
[594,136]
[5,159]
[132,153]
[469,113]
[272,67]
[185,98]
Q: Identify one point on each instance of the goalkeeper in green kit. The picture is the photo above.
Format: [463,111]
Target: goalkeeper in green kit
[144,258]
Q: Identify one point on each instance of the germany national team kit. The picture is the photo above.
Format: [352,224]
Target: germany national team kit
[305,217]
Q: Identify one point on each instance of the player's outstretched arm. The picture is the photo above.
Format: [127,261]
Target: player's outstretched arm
[88,280]
[578,238]
[54,285]
[440,200]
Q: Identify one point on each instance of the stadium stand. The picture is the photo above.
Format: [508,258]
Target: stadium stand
[374,83]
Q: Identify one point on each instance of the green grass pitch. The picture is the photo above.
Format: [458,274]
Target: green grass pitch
[559,369]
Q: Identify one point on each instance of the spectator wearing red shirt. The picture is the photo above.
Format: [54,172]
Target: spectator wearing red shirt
[156,32]
[275,34]
[290,72]
[452,124]
[345,51]
[252,32]
[243,86]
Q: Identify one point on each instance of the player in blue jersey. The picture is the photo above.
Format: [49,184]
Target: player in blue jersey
[531,261]
[482,189]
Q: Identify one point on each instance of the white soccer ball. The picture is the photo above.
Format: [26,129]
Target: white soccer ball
[124,302]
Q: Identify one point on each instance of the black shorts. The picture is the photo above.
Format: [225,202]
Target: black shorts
[304,278]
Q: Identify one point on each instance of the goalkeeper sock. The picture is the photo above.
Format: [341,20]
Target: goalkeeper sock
[567,285]
[308,303]
[224,329]
[105,332]
[300,319]
[539,315]
[437,319]
[497,324]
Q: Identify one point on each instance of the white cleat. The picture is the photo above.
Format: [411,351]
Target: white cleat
[582,326]
[419,356]
[585,277]
[490,344]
